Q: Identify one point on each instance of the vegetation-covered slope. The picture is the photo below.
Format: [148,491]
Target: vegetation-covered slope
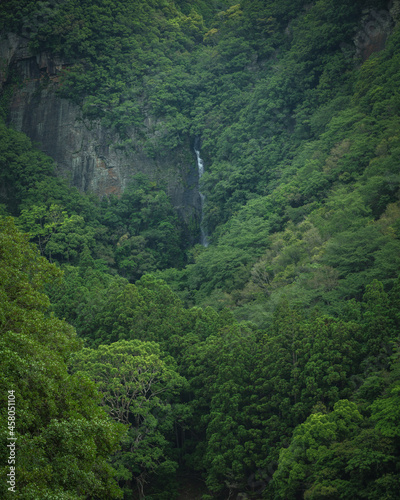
[267,362]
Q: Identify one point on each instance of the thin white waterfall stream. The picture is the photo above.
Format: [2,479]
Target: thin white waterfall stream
[200,169]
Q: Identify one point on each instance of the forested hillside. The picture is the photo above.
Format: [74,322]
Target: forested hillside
[264,364]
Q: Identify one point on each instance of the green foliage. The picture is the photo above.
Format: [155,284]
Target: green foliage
[219,371]
[337,455]
[136,233]
[144,229]
[22,167]
[301,147]
[308,446]
[63,437]
[17,15]
[121,57]
[136,386]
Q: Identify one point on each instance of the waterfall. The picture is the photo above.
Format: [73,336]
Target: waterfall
[200,169]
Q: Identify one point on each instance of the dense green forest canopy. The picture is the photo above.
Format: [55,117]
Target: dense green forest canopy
[267,363]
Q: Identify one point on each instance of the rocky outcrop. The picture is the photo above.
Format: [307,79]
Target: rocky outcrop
[372,36]
[85,152]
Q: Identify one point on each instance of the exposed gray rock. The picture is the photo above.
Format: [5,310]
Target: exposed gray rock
[376,27]
[85,152]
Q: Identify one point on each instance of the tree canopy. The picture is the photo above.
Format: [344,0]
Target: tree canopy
[262,366]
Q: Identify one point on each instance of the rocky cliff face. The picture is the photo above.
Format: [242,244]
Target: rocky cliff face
[85,152]
[375,28]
